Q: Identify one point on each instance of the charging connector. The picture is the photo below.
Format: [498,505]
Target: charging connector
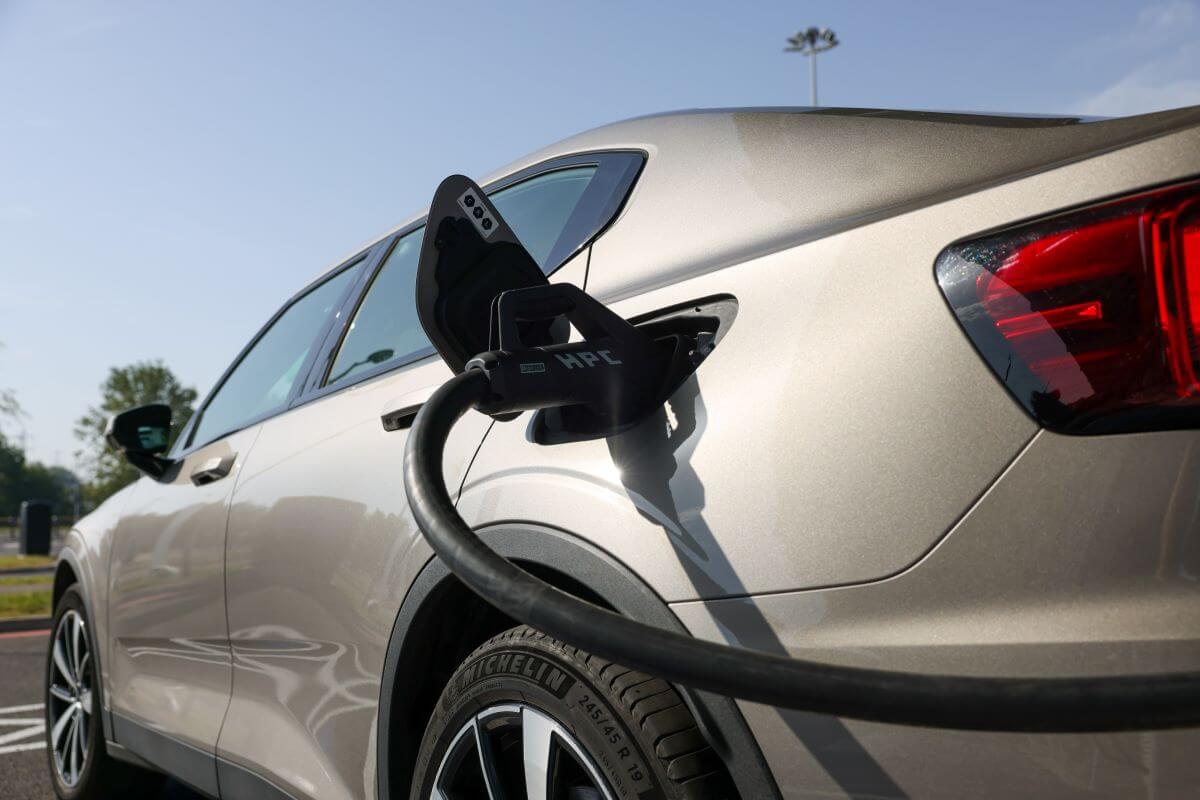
[615,372]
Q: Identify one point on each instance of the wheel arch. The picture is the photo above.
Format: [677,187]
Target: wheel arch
[70,571]
[421,656]
[65,575]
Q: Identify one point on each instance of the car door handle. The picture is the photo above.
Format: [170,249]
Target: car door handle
[401,418]
[213,469]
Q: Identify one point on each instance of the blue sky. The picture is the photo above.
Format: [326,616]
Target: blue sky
[170,172]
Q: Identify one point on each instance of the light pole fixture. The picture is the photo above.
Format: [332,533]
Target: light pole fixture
[808,43]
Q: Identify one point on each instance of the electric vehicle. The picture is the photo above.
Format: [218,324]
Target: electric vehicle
[935,414]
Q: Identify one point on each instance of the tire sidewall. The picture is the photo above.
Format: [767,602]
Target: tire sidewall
[71,600]
[522,672]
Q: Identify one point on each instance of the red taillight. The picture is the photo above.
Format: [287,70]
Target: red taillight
[1091,318]
[1176,248]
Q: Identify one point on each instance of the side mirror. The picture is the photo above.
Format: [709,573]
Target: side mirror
[469,255]
[141,434]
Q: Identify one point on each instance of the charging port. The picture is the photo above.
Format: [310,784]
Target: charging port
[685,334]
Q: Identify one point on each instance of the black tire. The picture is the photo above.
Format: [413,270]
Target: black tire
[101,777]
[635,728]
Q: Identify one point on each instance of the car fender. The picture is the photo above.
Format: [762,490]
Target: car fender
[86,552]
[612,582]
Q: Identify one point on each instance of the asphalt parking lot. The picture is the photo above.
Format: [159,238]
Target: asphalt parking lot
[23,771]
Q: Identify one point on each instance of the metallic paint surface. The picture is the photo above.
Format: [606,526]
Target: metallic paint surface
[168,656]
[844,390]
[748,444]
[319,536]
[1084,559]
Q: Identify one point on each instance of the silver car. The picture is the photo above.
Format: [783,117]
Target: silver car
[950,364]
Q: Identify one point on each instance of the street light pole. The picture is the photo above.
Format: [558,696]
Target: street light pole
[812,74]
[809,42]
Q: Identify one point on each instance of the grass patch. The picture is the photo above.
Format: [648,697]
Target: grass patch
[25,580]
[19,562]
[25,604]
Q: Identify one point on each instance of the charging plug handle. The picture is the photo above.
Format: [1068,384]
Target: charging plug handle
[615,371]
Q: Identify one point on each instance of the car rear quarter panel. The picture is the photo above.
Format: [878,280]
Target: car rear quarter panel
[840,429]
[811,474]
[1083,559]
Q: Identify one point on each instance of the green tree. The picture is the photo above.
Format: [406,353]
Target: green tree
[10,409]
[22,480]
[54,485]
[12,478]
[126,387]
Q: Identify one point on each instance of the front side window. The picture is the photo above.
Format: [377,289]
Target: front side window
[385,328]
[262,381]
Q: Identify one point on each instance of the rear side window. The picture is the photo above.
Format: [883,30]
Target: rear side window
[385,328]
[262,381]
[538,209]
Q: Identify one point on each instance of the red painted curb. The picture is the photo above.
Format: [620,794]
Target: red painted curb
[25,634]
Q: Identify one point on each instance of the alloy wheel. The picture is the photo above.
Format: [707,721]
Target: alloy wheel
[69,701]
[514,751]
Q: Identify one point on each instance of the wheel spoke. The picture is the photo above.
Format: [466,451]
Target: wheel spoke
[83,738]
[70,693]
[62,722]
[72,741]
[496,732]
[485,765]
[60,661]
[79,750]
[537,738]
[76,625]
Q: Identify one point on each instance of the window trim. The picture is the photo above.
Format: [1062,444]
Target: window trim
[321,365]
[366,260]
[599,207]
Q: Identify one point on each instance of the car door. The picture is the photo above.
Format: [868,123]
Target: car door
[321,542]
[169,659]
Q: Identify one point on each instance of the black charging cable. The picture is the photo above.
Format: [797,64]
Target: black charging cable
[1047,705]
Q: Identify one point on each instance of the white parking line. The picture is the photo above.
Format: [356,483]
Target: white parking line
[31,728]
[24,733]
